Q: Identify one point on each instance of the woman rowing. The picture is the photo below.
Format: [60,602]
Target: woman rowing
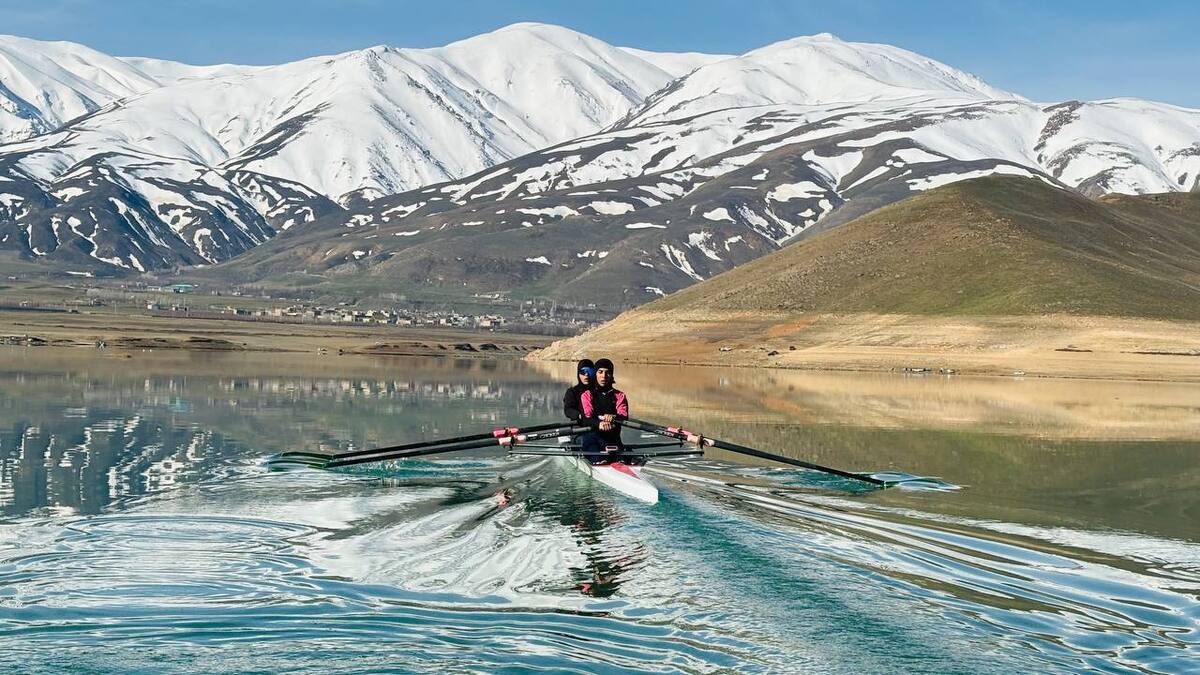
[604,408]
[585,372]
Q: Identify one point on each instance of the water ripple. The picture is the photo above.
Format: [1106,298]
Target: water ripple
[1072,609]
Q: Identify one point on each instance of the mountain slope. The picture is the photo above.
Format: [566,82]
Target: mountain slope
[996,245]
[44,85]
[993,245]
[380,118]
[902,279]
[366,122]
[812,70]
[677,64]
[620,217]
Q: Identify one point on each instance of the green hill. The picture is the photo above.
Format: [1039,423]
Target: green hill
[990,246]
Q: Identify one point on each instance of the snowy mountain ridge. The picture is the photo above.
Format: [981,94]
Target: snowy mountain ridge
[688,163]
[43,85]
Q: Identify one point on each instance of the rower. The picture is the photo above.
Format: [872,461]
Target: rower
[604,407]
[585,371]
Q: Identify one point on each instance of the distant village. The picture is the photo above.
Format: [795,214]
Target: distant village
[531,316]
[483,311]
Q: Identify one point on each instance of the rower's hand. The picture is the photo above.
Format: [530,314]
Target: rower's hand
[608,418]
[605,425]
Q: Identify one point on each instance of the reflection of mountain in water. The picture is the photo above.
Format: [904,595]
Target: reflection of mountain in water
[84,437]
[84,465]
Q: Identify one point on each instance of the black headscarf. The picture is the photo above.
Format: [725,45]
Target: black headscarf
[584,363]
[612,372]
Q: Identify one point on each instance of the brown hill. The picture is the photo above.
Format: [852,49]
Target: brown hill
[977,266]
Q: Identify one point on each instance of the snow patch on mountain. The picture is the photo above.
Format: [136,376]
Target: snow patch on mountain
[788,191]
[718,214]
[611,208]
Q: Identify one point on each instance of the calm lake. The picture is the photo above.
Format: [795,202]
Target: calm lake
[141,530]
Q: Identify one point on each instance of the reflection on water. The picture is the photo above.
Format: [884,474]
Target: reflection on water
[138,525]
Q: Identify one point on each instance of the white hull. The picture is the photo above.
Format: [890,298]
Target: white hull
[619,476]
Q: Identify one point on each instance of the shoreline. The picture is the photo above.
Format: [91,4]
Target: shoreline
[869,370]
[1047,346]
[139,332]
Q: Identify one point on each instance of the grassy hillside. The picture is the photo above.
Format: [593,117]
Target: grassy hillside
[991,246]
[993,276]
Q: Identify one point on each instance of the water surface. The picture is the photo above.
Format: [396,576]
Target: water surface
[140,529]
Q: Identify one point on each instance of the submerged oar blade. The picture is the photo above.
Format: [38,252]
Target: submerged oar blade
[290,459]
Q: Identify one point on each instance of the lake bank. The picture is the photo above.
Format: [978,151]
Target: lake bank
[1065,346]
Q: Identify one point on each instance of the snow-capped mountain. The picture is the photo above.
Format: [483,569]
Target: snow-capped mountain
[380,118]
[43,85]
[658,202]
[677,64]
[535,157]
[362,124]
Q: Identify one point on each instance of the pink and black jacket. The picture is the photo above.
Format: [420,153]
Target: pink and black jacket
[607,401]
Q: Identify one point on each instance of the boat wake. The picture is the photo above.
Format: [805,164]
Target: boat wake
[492,563]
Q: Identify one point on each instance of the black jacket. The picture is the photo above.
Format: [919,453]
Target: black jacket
[572,408]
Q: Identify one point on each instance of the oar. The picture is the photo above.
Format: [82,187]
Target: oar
[495,433]
[386,454]
[684,434]
[550,452]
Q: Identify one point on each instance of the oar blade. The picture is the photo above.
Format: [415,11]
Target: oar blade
[297,459]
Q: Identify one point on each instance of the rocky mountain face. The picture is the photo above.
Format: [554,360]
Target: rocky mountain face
[536,161]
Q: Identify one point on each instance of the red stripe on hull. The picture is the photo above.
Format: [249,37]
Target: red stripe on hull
[623,468]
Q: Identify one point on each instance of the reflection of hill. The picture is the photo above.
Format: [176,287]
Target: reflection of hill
[1051,451]
[1058,408]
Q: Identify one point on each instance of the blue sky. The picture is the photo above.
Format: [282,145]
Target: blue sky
[1047,50]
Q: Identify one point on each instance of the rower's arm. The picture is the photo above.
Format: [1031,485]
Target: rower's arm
[622,406]
[589,418]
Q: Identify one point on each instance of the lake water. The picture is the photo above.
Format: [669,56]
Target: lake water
[141,531]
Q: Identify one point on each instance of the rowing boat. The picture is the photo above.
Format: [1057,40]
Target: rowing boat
[623,471]
[621,476]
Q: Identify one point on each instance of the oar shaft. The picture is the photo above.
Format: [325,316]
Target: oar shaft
[734,447]
[403,454]
[550,452]
[683,434]
[504,441]
[495,433]
[489,436]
